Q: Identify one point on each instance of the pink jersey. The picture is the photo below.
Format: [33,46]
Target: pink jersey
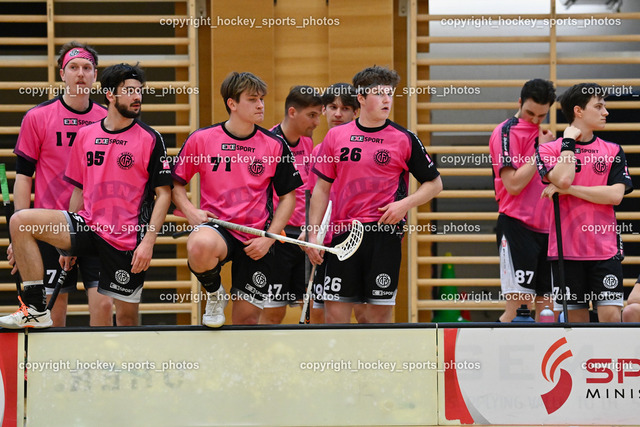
[313,178]
[46,137]
[589,230]
[512,144]
[118,173]
[237,175]
[369,168]
[302,152]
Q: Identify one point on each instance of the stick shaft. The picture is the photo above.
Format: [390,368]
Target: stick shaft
[563,286]
[307,299]
[262,233]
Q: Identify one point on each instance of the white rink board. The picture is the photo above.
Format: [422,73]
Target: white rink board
[541,376]
[234,377]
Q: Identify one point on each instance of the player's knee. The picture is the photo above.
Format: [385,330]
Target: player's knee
[18,222]
[105,306]
[201,251]
[273,316]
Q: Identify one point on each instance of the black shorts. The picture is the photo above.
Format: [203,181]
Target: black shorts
[599,282]
[524,267]
[250,279]
[116,279]
[371,274]
[289,276]
[89,270]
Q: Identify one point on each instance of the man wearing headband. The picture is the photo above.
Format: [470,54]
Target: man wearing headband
[118,166]
[44,145]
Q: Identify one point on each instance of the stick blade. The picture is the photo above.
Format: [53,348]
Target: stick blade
[347,248]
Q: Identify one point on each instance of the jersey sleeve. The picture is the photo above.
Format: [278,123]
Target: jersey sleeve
[29,140]
[286,178]
[619,173]
[25,166]
[506,144]
[323,168]
[420,163]
[75,168]
[183,167]
[546,159]
[159,167]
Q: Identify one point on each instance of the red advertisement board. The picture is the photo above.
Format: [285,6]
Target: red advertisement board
[8,379]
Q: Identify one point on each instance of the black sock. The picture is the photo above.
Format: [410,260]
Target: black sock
[34,295]
[210,280]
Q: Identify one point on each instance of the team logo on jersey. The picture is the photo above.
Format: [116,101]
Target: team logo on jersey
[600,167]
[256,168]
[357,138]
[102,141]
[125,161]
[383,280]
[382,157]
[259,279]
[228,147]
[610,281]
[122,277]
[70,122]
[166,165]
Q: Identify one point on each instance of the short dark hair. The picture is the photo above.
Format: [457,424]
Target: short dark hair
[579,95]
[374,76]
[301,97]
[540,91]
[344,91]
[74,44]
[236,83]
[114,75]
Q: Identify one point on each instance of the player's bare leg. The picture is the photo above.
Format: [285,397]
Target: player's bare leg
[337,312]
[631,312]
[206,249]
[378,313]
[273,315]
[100,308]
[579,316]
[245,313]
[26,227]
[359,310]
[126,313]
[29,225]
[59,310]
[317,316]
[609,313]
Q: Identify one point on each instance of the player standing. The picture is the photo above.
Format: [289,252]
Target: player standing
[243,165]
[44,144]
[116,166]
[339,106]
[303,108]
[591,177]
[522,232]
[371,182]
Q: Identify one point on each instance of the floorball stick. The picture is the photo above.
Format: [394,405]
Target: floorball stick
[56,290]
[561,278]
[6,202]
[324,226]
[343,251]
